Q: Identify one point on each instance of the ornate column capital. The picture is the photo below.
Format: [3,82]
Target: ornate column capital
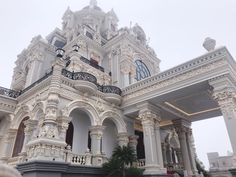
[133,139]
[149,112]
[30,125]
[123,139]
[225,95]
[97,131]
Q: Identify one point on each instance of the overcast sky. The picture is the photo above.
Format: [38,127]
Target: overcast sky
[177,29]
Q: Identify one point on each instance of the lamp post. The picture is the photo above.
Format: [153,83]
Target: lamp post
[75,48]
[60,52]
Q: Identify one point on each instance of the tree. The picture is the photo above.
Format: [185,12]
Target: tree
[120,162]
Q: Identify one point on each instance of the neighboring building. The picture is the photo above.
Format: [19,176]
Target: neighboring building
[220,165]
[91,86]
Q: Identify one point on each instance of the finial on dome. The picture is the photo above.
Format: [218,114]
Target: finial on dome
[209,44]
[92,4]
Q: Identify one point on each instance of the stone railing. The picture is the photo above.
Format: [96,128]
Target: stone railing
[37,82]
[140,163]
[15,94]
[79,76]
[185,67]
[79,159]
[91,78]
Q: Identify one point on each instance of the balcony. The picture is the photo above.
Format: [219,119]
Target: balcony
[87,82]
[112,94]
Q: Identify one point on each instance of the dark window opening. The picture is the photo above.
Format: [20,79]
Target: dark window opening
[69,134]
[140,145]
[20,136]
[89,141]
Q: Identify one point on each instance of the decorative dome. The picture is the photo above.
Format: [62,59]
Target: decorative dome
[138,31]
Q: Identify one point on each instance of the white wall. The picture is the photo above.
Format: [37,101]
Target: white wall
[109,138]
[81,122]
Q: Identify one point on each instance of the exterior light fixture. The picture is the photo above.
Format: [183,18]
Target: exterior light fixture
[75,48]
[60,52]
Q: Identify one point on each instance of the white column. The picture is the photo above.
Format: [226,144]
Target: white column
[158,144]
[133,141]
[191,151]
[184,149]
[226,99]
[96,133]
[96,137]
[152,165]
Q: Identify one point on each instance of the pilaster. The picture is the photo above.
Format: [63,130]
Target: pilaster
[8,144]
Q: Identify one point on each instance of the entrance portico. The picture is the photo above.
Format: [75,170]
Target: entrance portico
[199,89]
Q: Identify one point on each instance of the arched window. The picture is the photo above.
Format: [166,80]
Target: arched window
[141,70]
[69,134]
[20,136]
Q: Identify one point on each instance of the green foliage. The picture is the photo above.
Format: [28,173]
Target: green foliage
[117,166]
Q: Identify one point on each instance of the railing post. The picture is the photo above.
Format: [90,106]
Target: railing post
[88,158]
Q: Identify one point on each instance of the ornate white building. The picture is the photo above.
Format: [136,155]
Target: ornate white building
[91,86]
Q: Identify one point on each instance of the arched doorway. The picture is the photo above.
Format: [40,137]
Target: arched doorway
[20,136]
[109,138]
[78,132]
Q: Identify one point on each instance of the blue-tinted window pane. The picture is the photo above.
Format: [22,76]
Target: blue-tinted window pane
[141,70]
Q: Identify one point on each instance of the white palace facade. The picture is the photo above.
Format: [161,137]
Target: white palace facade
[91,86]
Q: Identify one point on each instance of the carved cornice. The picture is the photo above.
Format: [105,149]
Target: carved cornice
[177,74]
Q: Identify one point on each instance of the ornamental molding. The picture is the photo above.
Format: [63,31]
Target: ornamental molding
[116,117]
[148,117]
[224,96]
[89,108]
[22,112]
[7,107]
[39,88]
[187,70]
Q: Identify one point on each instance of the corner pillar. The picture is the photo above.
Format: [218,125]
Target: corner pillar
[226,99]
[152,143]
[49,145]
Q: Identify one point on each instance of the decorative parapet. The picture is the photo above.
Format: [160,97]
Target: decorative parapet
[36,82]
[9,92]
[15,94]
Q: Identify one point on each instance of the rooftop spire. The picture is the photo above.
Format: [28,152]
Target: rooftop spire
[92,4]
